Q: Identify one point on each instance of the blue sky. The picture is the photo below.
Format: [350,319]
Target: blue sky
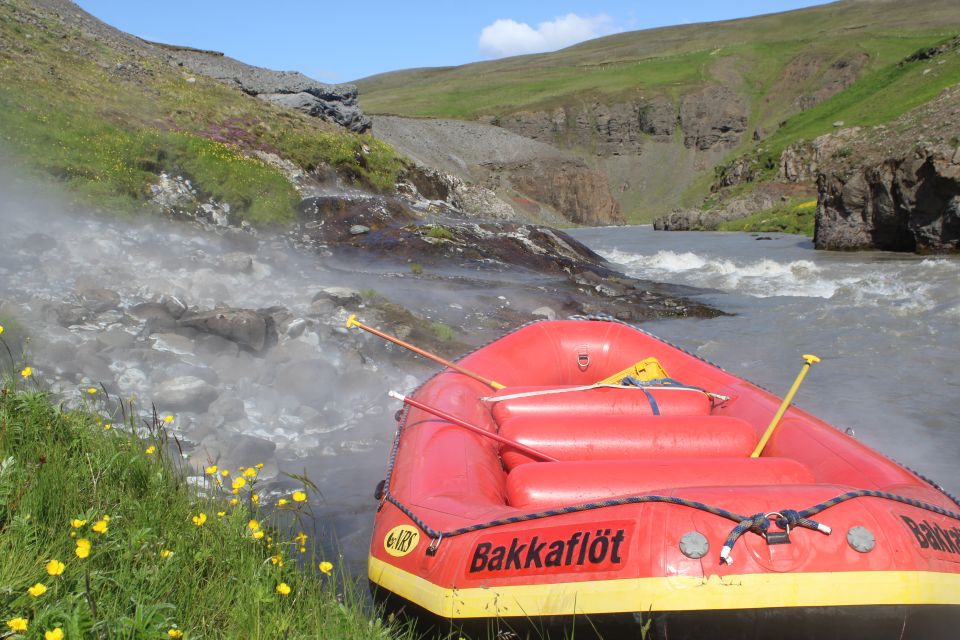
[342,41]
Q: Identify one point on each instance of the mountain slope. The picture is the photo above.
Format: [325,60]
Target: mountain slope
[657,110]
[107,113]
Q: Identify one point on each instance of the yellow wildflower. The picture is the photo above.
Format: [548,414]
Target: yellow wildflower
[326,567]
[200,519]
[76,523]
[282,501]
[233,502]
[151,450]
[303,549]
[250,472]
[37,590]
[107,427]
[220,514]
[253,525]
[175,633]
[239,483]
[56,634]
[55,567]
[26,372]
[283,589]
[259,465]
[299,496]
[1,329]
[301,538]
[277,560]
[17,624]
[83,548]
[257,535]
[211,470]
[167,419]
[91,390]
[225,473]
[254,498]
[106,517]
[165,553]
[100,526]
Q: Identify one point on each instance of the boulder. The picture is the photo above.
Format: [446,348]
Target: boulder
[184,393]
[248,328]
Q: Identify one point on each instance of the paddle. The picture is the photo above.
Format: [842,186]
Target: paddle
[466,425]
[808,361]
[353,322]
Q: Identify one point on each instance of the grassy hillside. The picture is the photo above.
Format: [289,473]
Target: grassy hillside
[670,61]
[107,117]
[797,73]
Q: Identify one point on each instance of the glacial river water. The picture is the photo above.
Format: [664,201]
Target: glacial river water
[887,327]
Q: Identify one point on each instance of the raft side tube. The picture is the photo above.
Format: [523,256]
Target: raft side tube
[622,437]
[565,483]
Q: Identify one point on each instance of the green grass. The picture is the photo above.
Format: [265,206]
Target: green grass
[796,217]
[162,556]
[69,112]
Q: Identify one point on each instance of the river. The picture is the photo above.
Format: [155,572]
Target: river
[887,327]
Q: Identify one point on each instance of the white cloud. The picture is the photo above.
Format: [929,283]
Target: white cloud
[505,37]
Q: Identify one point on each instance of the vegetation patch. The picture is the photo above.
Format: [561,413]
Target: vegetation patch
[796,217]
[101,536]
[107,122]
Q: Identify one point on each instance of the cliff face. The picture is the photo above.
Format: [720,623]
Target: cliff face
[513,176]
[910,203]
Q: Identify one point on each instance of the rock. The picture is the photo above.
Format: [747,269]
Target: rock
[174,306]
[712,116]
[545,312]
[906,203]
[581,194]
[246,327]
[658,117]
[184,393]
[336,103]
[358,229]
[237,262]
[156,317]
[71,314]
[98,300]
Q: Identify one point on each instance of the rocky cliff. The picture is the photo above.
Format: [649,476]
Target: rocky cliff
[335,103]
[909,203]
[498,174]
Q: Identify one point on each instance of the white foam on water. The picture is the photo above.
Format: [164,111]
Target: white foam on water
[759,278]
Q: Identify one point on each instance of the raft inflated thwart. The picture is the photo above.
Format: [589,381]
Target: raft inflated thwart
[653,513]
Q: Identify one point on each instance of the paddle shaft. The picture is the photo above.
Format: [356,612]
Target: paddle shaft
[353,322]
[809,361]
[466,425]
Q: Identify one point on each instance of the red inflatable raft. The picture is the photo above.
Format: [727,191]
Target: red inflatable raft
[653,515]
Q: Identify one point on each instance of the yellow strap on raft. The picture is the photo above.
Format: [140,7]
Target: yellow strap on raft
[647,369]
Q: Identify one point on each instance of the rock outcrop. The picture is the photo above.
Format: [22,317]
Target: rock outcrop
[335,103]
[534,180]
[606,129]
[908,203]
[712,116]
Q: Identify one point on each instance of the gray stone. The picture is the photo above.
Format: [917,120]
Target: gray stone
[909,203]
[238,262]
[184,393]
[545,312]
[246,327]
[339,295]
[358,229]
[98,300]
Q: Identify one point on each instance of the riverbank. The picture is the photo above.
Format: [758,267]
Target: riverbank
[102,536]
